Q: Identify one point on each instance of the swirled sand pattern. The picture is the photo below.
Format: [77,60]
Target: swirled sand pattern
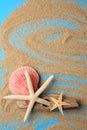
[41,29]
[51,36]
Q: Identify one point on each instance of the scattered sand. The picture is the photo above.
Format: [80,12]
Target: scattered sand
[70,43]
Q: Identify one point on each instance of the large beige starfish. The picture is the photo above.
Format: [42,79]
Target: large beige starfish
[33,97]
[58,103]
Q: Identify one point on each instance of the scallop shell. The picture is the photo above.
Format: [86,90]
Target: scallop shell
[22,104]
[18,83]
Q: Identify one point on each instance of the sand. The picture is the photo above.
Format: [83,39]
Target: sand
[62,56]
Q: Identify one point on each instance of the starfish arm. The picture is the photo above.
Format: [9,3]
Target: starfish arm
[29,109]
[16,97]
[53,107]
[42,101]
[64,103]
[55,101]
[60,109]
[60,97]
[29,83]
[44,86]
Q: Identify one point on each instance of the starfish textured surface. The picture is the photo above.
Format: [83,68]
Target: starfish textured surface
[58,103]
[34,96]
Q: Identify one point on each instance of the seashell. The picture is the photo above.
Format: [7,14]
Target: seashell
[22,104]
[18,83]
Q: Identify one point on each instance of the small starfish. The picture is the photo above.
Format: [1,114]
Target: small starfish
[33,97]
[58,103]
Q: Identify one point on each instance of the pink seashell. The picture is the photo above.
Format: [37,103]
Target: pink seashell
[18,83]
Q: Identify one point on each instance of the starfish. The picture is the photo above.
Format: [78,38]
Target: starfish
[58,103]
[33,97]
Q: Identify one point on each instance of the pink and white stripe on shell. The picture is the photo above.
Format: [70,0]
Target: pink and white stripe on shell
[18,83]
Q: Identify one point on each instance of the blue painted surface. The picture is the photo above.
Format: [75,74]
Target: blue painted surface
[62,55]
[1,81]
[2,71]
[48,52]
[83,108]
[79,57]
[83,20]
[53,37]
[10,126]
[64,84]
[2,54]
[59,91]
[7,7]
[38,121]
[29,120]
[57,54]
[47,124]
[41,123]
[77,79]
[81,3]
